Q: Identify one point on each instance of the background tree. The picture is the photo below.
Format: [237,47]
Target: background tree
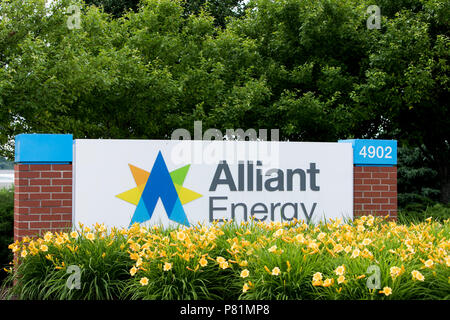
[308,67]
[312,53]
[406,89]
[115,7]
[139,76]
[417,181]
[6,229]
[220,10]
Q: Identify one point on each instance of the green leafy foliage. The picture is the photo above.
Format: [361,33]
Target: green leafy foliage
[103,265]
[246,261]
[415,213]
[221,10]
[310,68]
[418,184]
[6,228]
[115,7]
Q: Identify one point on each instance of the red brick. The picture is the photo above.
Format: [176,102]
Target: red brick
[393,200]
[51,203]
[21,167]
[382,175]
[380,188]
[357,194]
[21,196]
[28,217]
[360,175]
[371,181]
[389,181]
[40,196]
[40,224]
[393,188]
[29,203]
[361,187]
[357,207]
[361,200]
[39,210]
[51,189]
[51,174]
[21,182]
[22,189]
[21,210]
[40,167]
[372,169]
[371,207]
[21,225]
[389,169]
[61,224]
[50,217]
[25,233]
[62,195]
[67,189]
[67,203]
[357,169]
[357,181]
[27,174]
[62,210]
[380,200]
[62,182]
[388,207]
[62,167]
[39,182]
[66,216]
[393,175]
[389,194]
[371,194]
[67,174]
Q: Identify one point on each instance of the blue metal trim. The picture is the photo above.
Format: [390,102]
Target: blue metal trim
[375,165]
[52,162]
[44,148]
[373,152]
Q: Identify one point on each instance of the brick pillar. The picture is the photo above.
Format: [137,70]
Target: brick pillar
[375,191]
[42,199]
[43,184]
[374,177]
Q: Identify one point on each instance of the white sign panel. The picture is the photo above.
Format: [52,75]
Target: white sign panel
[119,182]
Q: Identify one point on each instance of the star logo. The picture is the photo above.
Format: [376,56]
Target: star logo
[157,184]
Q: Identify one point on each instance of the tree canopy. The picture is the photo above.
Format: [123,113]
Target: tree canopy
[311,68]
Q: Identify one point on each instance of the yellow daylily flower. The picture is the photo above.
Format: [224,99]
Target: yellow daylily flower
[167,266]
[144,281]
[245,273]
[276,271]
[387,291]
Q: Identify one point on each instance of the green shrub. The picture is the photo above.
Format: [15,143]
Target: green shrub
[439,212]
[6,228]
[185,280]
[246,261]
[43,273]
[418,182]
